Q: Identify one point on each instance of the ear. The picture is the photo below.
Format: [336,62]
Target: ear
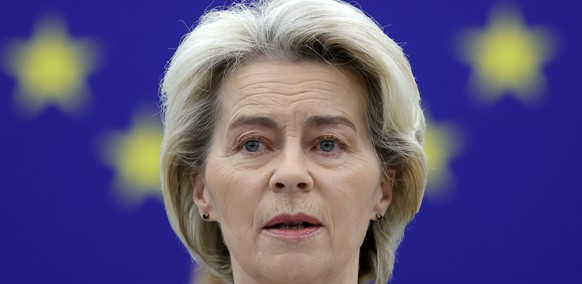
[201,196]
[385,199]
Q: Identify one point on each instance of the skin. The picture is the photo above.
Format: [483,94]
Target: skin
[291,138]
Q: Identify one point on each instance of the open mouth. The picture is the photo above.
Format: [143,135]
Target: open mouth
[291,225]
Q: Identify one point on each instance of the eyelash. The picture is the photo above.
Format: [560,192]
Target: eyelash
[241,142]
[343,146]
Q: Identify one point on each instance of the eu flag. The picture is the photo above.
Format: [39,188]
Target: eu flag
[81,134]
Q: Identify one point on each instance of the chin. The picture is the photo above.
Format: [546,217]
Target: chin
[295,267]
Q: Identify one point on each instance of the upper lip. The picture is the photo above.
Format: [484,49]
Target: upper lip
[285,218]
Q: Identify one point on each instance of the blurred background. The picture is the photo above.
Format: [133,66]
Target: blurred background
[500,82]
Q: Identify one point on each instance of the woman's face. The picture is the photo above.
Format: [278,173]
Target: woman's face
[292,177]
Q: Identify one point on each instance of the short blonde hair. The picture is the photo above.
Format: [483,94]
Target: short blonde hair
[330,31]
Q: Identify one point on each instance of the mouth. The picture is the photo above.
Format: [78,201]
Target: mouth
[292,227]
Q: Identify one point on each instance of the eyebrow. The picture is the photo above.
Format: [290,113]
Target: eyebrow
[312,121]
[324,120]
[263,121]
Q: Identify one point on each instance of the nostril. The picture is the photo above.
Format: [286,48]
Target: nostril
[283,186]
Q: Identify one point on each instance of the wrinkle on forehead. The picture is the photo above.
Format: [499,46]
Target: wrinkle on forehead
[275,87]
[311,74]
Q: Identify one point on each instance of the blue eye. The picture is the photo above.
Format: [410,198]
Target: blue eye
[252,145]
[327,145]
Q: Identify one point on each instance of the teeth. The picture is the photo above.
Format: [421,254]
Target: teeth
[292,226]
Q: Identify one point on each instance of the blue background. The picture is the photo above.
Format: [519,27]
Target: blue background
[511,216]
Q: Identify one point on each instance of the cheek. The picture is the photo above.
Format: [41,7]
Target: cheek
[236,194]
[352,192]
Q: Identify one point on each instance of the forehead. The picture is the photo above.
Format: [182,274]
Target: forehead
[270,87]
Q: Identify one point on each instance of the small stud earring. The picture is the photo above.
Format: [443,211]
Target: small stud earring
[379,217]
[205,216]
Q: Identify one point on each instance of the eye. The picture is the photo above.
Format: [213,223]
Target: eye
[330,145]
[252,145]
[327,145]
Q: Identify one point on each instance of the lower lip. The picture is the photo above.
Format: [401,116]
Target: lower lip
[293,235]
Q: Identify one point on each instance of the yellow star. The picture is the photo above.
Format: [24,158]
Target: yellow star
[442,143]
[507,57]
[50,68]
[134,156]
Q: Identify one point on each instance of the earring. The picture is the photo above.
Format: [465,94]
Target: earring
[205,216]
[379,217]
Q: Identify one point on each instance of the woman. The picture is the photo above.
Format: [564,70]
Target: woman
[292,150]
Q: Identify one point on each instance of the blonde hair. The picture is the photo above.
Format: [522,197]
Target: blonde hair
[331,31]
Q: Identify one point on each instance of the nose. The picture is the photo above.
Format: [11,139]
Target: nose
[291,173]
